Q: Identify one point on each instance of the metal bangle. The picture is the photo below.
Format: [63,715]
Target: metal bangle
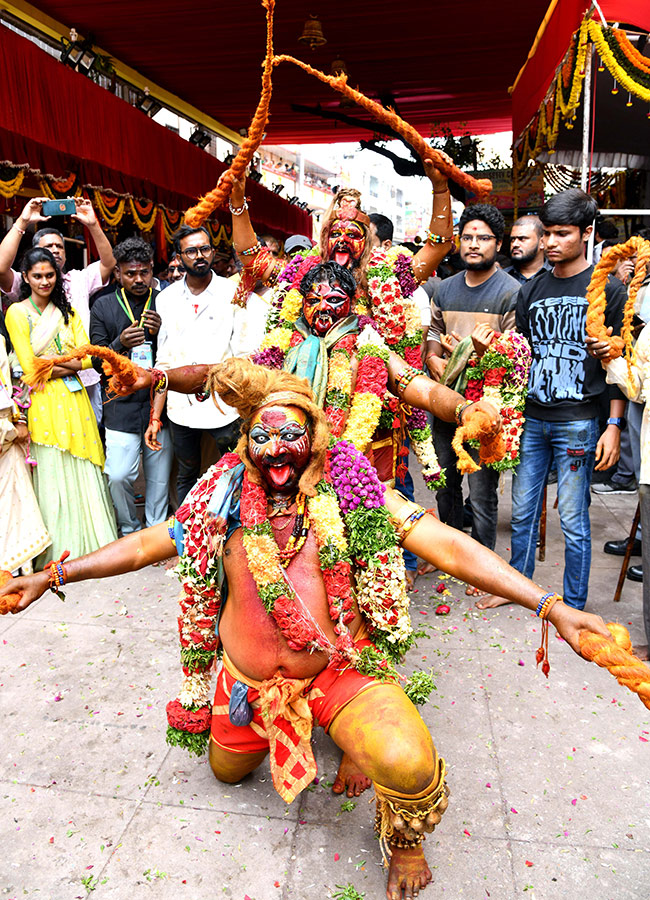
[239,210]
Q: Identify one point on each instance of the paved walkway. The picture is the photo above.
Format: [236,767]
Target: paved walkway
[549,779]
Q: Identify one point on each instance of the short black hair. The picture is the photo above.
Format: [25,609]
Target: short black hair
[330,272]
[485,213]
[534,221]
[185,231]
[383,226]
[606,228]
[133,249]
[43,232]
[570,207]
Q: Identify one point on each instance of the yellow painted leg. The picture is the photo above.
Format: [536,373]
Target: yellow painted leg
[232,767]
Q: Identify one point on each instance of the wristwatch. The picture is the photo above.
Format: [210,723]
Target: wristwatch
[618,421]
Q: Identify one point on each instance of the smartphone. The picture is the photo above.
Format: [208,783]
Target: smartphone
[59,207]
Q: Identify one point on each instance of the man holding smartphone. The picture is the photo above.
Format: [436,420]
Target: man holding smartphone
[126,321]
[79,284]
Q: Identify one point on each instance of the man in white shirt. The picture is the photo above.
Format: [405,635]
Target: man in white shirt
[199,324]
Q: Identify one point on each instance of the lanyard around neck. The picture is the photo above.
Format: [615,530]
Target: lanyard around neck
[126,306]
[57,339]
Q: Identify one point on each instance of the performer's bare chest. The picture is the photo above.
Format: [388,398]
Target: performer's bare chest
[249,634]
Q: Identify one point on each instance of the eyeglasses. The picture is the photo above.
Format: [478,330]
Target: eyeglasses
[193,252]
[481,238]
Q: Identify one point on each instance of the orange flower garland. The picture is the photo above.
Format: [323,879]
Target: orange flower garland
[618,659]
[597,300]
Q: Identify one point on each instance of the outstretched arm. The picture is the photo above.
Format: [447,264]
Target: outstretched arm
[464,558]
[427,394]
[426,260]
[130,553]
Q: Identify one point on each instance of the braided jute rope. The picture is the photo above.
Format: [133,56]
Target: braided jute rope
[618,658]
[492,446]
[481,186]
[214,199]
[121,371]
[596,298]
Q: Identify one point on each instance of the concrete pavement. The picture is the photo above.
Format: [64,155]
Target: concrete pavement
[549,779]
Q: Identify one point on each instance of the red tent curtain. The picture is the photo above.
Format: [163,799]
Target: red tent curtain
[57,121]
[540,70]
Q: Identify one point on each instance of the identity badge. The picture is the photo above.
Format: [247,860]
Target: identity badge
[142,355]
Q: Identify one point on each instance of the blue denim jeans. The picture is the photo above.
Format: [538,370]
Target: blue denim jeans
[572,445]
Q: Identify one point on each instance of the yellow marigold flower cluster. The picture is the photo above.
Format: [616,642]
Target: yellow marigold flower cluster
[291,305]
[278,337]
[363,419]
[340,373]
[327,522]
[263,561]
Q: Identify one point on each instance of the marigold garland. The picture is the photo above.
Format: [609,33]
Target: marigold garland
[597,299]
[624,62]
[9,187]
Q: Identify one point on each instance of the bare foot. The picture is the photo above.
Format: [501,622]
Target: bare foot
[411,575]
[408,874]
[643,652]
[474,592]
[349,776]
[490,601]
[426,568]
[172,563]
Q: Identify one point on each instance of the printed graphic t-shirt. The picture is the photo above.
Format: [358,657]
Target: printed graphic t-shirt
[565,382]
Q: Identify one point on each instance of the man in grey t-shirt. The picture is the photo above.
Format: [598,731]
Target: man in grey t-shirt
[477,302]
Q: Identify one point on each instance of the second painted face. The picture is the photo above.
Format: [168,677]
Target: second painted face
[279,445]
[346,243]
[324,306]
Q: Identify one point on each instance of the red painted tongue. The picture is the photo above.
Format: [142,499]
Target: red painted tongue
[280,474]
[341,258]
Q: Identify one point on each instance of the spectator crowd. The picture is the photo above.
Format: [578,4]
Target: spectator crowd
[71,456]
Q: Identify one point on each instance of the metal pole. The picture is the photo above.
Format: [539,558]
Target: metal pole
[586,120]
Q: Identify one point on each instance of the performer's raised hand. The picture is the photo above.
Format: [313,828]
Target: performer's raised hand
[435,176]
[570,622]
[237,190]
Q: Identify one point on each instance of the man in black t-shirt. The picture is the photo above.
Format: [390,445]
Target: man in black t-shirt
[126,321]
[564,388]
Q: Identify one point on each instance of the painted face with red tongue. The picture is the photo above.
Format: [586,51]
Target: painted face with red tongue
[279,445]
[324,306]
[346,243]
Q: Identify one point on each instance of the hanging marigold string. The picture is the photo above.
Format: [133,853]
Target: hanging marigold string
[171,220]
[60,189]
[111,209]
[144,213]
[492,447]
[210,202]
[627,66]
[597,300]
[618,658]
[481,186]
[9,186]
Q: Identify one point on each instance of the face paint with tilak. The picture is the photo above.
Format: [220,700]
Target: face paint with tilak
[324,306]
[279,445]
[345,243]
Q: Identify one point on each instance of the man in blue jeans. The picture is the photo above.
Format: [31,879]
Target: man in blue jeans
[564,388]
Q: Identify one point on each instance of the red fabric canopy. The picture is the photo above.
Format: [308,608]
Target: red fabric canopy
[58,121]
[443,62]
[540,70]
